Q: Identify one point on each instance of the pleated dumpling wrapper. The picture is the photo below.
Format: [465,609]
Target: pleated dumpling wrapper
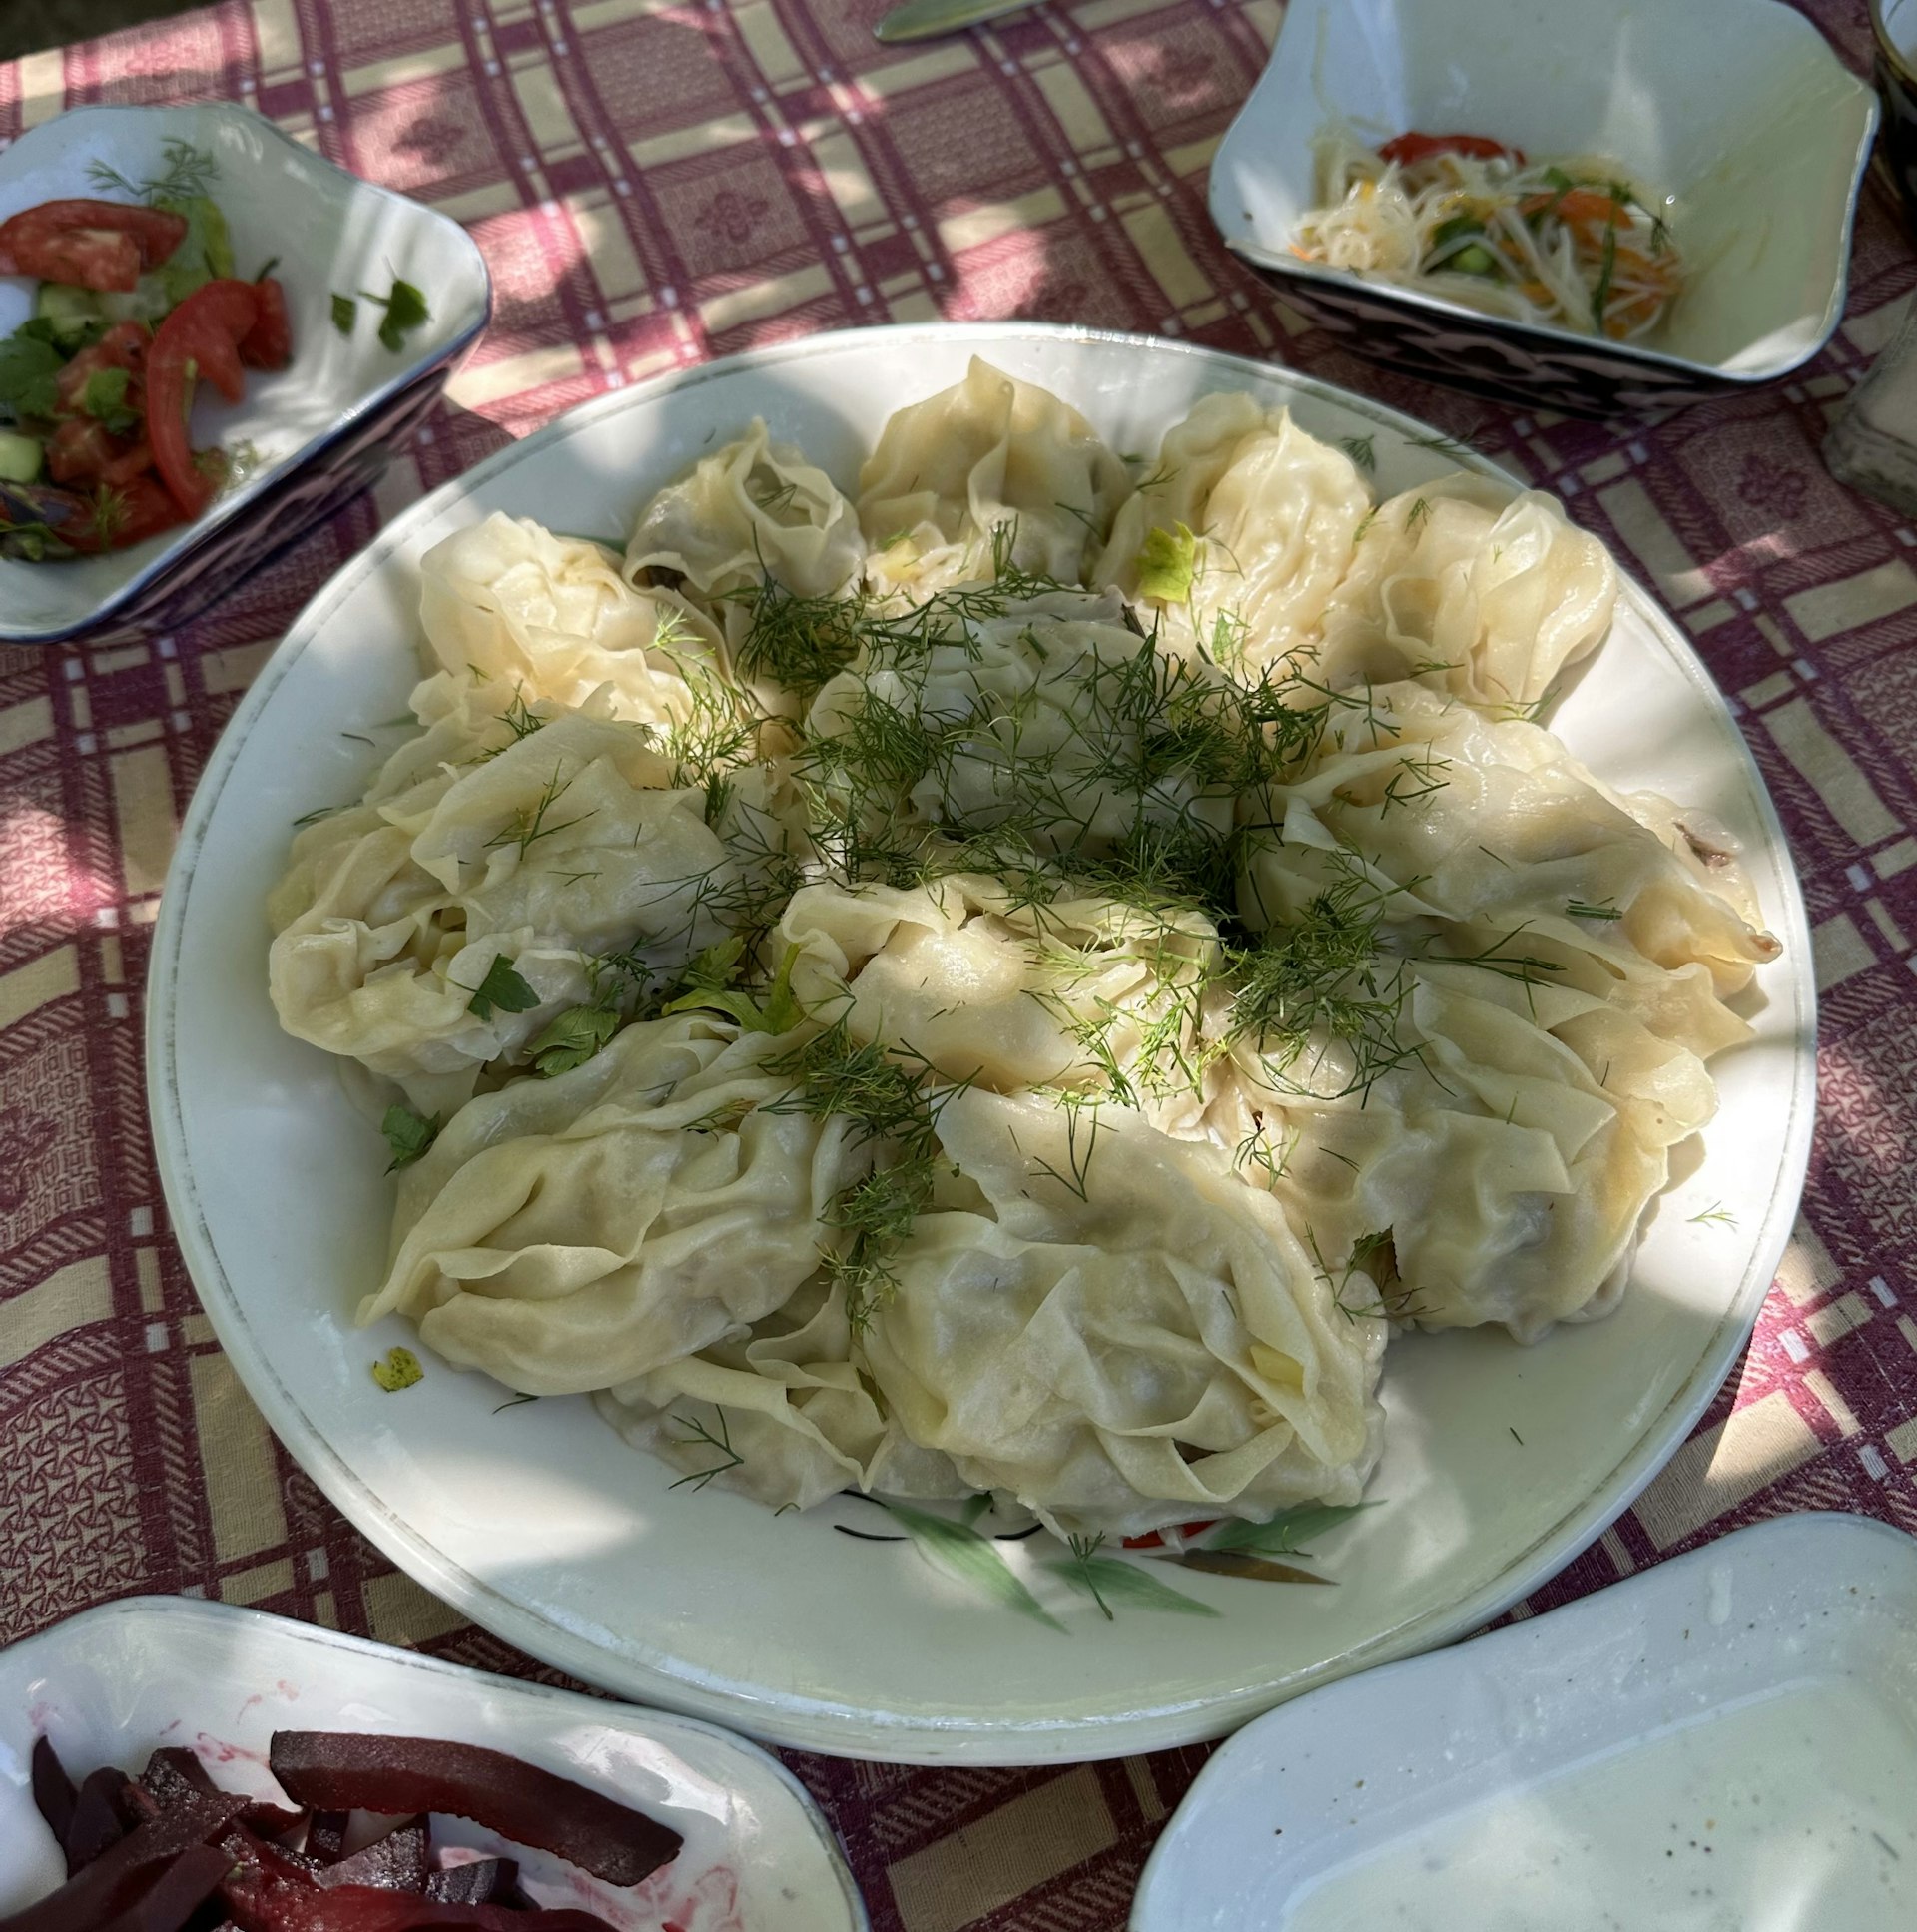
[1476,591]
[568,1234]
[561,844]
[1030,724]
[751,510]
[551,617]
[989,460]
[1236,541]
[1051,987]
[1531,984]
[1092,1320]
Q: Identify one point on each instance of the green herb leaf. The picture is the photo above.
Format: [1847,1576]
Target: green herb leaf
[346,312]
[1361,449]
[1167,562]
[400,1370]
[267,268]
[958,1551]
[1288,1532]
[502,988]
[409,1135]
[780,1013]
[572,1037]
[406,311]
[29,362]
[188,171]
[1109,1579]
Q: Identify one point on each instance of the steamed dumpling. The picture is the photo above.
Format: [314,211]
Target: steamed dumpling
[569,1234]
[751,510]
[562,845]
[788,1399]
[1119,1333]
[1239,538]
[1473,590]
[506,600]
[1052,988]
[989,454]
[1535,981]
[1031,722]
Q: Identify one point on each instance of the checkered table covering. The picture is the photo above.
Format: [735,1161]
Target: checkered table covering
[656,182]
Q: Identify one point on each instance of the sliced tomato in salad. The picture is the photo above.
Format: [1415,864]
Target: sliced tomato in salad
[123,347]
[267,344]
[201,338]
[101,246]
[84,452]
[1406,150]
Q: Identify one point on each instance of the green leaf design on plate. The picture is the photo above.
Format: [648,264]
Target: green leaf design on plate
[1234,1563]
[958,1551]
[1288,1533]
[1109,1579]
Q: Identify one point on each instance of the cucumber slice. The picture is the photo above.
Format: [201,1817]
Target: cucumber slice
[72,311]
[20,458]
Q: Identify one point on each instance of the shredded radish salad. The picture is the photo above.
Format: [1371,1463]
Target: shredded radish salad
[1572,242]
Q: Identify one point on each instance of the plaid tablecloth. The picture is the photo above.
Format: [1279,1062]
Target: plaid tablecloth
[655,182]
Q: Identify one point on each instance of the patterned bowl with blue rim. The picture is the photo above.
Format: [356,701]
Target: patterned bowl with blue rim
[305,438]
[1740,109]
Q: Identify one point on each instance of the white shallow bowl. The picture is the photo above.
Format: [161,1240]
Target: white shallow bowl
[1727,1740]
[319,429]
[113,1685]
[540,1524]
[1738,108]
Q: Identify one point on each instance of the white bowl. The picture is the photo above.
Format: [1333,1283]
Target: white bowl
[1738,108]
[319,429]
[1712,1742]
[113,1685]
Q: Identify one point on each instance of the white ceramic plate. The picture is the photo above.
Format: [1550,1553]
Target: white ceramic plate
[539,1524]
[1729,1739]
[115,1683]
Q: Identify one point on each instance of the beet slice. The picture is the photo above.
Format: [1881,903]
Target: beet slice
[327,1836]
[338,1771]
[475,1882]
[53,1790]
[103,1814]
[172,1775]
[364,1908]
[172,1899]
[115,1880]
[395,1863]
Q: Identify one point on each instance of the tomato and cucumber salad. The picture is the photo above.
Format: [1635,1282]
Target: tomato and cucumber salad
[137,302]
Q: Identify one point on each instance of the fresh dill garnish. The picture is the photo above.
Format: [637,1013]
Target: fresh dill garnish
[1578,909]
[1360,450]
[698,1435]
[187,172]
[1420,509]
[528,823]
[1715,1215]
[893,1104]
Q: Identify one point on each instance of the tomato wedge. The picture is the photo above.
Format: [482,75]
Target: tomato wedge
[84,452]
[101,246]
[267,344]
[201,338]
[1406,150]
[123,347]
